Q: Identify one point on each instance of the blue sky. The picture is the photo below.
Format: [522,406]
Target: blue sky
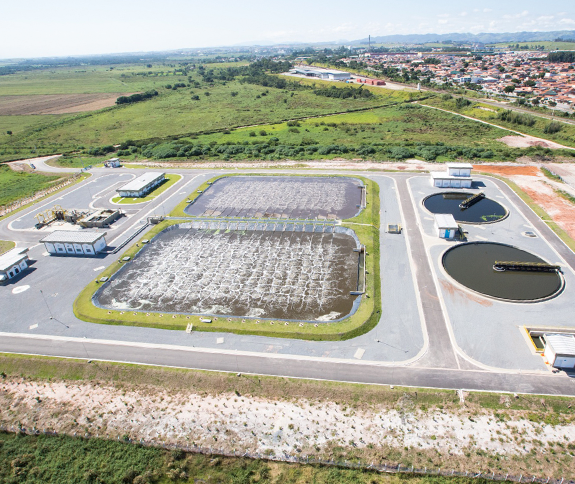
[35,28]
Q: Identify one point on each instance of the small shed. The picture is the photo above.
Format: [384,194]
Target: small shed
[13,263]
[79,242]
[459,169]
[447,227]
[560,350]
[113,163]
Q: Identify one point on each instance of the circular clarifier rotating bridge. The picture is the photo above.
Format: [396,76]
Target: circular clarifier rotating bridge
[502,271]
[482,209]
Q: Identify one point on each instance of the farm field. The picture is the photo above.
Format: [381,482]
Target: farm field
[56,103]
[532,45]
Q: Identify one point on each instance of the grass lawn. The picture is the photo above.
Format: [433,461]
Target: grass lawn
[171,180]
[6,245]
[364,319]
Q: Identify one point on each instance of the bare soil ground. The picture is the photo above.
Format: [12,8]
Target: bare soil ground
[462,438]
[542,189]
[56,103]
[527,141]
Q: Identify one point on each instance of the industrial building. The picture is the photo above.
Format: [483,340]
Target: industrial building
[142,185]
[447,227]
[13,263]
[457,175]
[321,74]
[560,350]
[113,163]
[78,242]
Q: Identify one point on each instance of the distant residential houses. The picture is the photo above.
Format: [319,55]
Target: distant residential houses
[532,76]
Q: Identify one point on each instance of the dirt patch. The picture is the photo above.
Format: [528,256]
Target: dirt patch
[528,141]
[56,103]
[509,169]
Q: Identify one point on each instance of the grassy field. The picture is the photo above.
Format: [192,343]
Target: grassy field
[6,245]
[171,180]
[365,225]
[566,136]
[58,459]
[16,185]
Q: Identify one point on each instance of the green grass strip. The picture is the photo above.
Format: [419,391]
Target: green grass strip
[171,181]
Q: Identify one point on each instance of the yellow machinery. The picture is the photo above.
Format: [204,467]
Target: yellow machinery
[48,216]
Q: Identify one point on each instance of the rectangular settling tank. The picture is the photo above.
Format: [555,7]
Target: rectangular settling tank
[287,197]
[293,275]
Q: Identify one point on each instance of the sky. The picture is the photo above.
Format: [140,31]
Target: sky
[40,28]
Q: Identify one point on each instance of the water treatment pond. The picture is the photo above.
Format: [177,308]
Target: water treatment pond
[294,197]
[486,210]
[252,273]
[471,264]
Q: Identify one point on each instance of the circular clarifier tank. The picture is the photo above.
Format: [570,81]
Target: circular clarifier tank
[472,265]
[483,211]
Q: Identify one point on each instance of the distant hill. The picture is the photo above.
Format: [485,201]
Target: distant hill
[486,38]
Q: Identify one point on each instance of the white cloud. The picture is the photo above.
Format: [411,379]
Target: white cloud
[487,10]
[463,14]
[443,15]
[442,21]
[567,21]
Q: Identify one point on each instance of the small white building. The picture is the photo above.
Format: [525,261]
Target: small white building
[560,350]
[79,242]
[13,263]
[457,175]
[113,163]
[142,185]
[447,227]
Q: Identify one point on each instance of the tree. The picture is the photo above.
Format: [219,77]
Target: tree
[9,132]
[509,89]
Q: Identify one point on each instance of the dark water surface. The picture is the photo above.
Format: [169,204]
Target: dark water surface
[472,265]
[292,197]
[486,210]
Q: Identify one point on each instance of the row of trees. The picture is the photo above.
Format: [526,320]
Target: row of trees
[134,98]
[344,92]
[272,149]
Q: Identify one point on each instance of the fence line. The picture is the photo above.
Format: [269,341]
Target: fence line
[307,459]
[6,209]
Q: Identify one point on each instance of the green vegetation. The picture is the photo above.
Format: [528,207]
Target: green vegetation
[539,45]
[57,459]
[134,98]
[563,194]
[6,245]
[171,180]
[562,56]
[522,122]
[363,320]
[15,185]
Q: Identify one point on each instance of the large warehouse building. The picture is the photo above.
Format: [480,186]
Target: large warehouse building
[457,175]
[321,74]
[12,263]
[142,185]
[78,242]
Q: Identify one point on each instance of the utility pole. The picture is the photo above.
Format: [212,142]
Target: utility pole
[369,44]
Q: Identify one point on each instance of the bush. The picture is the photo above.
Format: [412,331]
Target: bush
[293,130]
[552,128]
[252,133]
[516,118]
[462,102]
[263,132]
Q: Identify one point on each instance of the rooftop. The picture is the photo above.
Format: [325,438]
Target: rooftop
[71,237]
[12,257]
[445,221]
[563,344]
[141,182]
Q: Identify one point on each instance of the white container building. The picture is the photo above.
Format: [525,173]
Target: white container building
[457,175]
[447,227]
[13,263]
[560,350]
[142,185]
[81,242]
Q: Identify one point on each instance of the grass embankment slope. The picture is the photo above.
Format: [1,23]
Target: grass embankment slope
[365,225]
[6,245]
[15,185]
[171,180]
